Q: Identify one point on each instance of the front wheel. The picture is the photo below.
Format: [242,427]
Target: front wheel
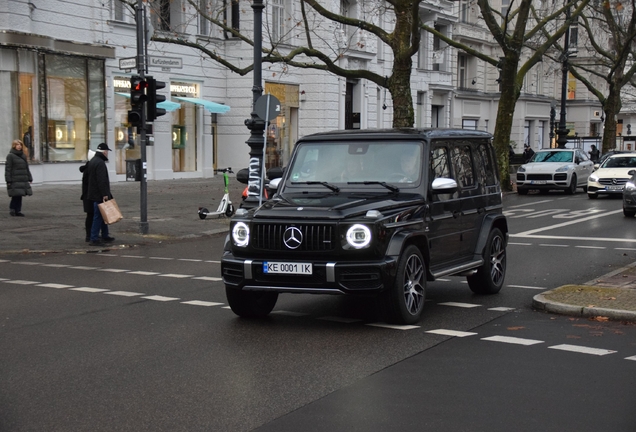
[628,213]
[230,210]
[404,302]
[571,190]
[490,276]
[250,304]
[203,212]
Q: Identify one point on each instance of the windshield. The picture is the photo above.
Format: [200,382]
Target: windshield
[553,156]
[355,162]
[620,162]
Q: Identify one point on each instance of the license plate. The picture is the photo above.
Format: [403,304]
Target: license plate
[616,187]
[538,182]
[287,268]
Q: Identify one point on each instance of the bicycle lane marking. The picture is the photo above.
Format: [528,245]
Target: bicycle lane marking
[533,233]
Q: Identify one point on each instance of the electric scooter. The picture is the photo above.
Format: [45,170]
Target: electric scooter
[226,208]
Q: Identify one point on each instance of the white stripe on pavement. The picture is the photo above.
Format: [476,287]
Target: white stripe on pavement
[114,270]
[54,285]
[582,349]
[394,327]
[89,289]
[144,273]
[201,303]
[173,275]
[124,293]
[160,298]
[445,332]
[461,305]
[208,278]
[526,287]
[512,340]
[21,282]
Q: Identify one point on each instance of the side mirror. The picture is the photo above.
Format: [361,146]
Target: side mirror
[631,172]
[442,185]
[273,184]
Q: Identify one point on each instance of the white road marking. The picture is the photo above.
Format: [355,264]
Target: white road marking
[582,349]
[25,263]
[190,260]
[339,319]
[455,333]
[21,282]
[631,358]
[55,285]
[160,298]
[442,280]
[161,258]
[501,309]
[572,222]
[114,270]
[532,203]
[212,261]
[226,307]
[173,275]
[1,261]
[553,245]
[84,268]
[208,278]
[512,340]
[144,273]
[596,239]
[3,279]
[591,247]
[627,249]
[124,293]
[526,287]
[289,313]
[519,244]
[201,303]
[90,290]
[461,305]
[56,265]
[132,256]
[393,327]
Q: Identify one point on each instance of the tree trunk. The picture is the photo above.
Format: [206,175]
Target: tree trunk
[611,109]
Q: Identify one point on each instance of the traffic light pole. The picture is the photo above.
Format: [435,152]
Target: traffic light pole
[141,69]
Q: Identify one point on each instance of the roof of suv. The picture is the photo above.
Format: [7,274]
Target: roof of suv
[398,133]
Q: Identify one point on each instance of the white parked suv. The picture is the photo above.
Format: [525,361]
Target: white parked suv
[555,169]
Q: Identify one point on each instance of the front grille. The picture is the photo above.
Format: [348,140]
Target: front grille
[521,177]
[539,176]
[560,177]
[612,181]
[315,237]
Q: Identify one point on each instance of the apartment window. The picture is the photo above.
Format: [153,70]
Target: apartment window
[438,50]
[461,70]
[231,15]
[205,6]
[526,132]
[422,52]
[505,5]
[278,21]
[470,124]
[121,12]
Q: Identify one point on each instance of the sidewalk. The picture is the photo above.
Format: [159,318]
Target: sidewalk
[54,222]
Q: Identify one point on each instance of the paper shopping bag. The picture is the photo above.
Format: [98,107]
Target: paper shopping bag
[110,211]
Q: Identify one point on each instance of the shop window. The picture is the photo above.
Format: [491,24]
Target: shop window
[184,129]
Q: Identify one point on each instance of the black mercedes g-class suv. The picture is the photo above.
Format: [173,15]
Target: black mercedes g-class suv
[372,212]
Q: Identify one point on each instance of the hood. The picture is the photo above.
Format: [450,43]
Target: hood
[613,172]
[545,167]
[334,206]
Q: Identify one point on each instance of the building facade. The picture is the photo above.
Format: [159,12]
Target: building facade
[65,70]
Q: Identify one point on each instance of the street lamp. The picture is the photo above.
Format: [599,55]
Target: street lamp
[552,122]
[563,131]
[255,124]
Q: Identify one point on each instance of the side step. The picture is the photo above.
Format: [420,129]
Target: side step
[462,269]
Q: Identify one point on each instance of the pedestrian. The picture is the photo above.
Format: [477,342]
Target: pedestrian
[88,204]
[17,176]
[98,191]
[527,153]
[594,154]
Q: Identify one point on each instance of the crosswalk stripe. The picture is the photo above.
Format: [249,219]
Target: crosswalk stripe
[160,298]
[445,332]
[208,278]
[201,303]
[393,327]
[512,340]
[582,349]
[54,285]
[144,273]
[631,358]
[461,305]
[124,293]
[173,275]
[21,282]
[89,289]
[114,270]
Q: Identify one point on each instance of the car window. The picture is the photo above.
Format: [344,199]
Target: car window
[620,162]
[553,156]
[582,156]
[485,166]
[440,168]
[461,161]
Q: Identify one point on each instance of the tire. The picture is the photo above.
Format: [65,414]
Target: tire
[522,191]
[592,196]
[203,213]
[230,210]
[251,304]
[404,302]
[628,213]
[490,276]
[571,190]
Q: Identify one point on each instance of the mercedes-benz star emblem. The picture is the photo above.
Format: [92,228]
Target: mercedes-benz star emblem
[614,181]
[292,237]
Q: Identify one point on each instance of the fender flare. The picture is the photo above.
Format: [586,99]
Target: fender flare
[419,239]
[490,221]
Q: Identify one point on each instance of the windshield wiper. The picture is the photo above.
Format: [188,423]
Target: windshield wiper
[386,185]
[336,189]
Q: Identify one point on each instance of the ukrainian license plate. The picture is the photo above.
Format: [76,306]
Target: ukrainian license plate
[615,187]
[538,182]
[270,267]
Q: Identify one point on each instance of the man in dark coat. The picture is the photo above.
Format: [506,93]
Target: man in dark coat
[18,177]
[98,191]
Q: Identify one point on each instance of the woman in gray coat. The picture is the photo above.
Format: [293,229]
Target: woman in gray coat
[18,176]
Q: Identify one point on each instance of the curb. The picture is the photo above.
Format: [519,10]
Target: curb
[540,302]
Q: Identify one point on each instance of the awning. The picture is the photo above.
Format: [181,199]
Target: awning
[169,106]
[213,107]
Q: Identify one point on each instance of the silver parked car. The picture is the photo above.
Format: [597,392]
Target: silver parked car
[555,169]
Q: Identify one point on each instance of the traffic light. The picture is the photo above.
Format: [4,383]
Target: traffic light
[154,98]
[137,99]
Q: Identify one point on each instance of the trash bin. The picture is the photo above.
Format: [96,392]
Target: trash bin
[133,169]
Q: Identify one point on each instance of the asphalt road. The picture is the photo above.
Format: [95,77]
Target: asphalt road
[142,340]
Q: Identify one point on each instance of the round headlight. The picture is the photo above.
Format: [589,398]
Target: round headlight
[241,234]
[358,236]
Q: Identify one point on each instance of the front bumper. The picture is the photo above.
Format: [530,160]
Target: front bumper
[326,278]
[629,200]
[543,181]
[598,188]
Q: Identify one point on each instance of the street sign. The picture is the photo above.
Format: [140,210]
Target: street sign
[166,62]
[128,63]
[267,107]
